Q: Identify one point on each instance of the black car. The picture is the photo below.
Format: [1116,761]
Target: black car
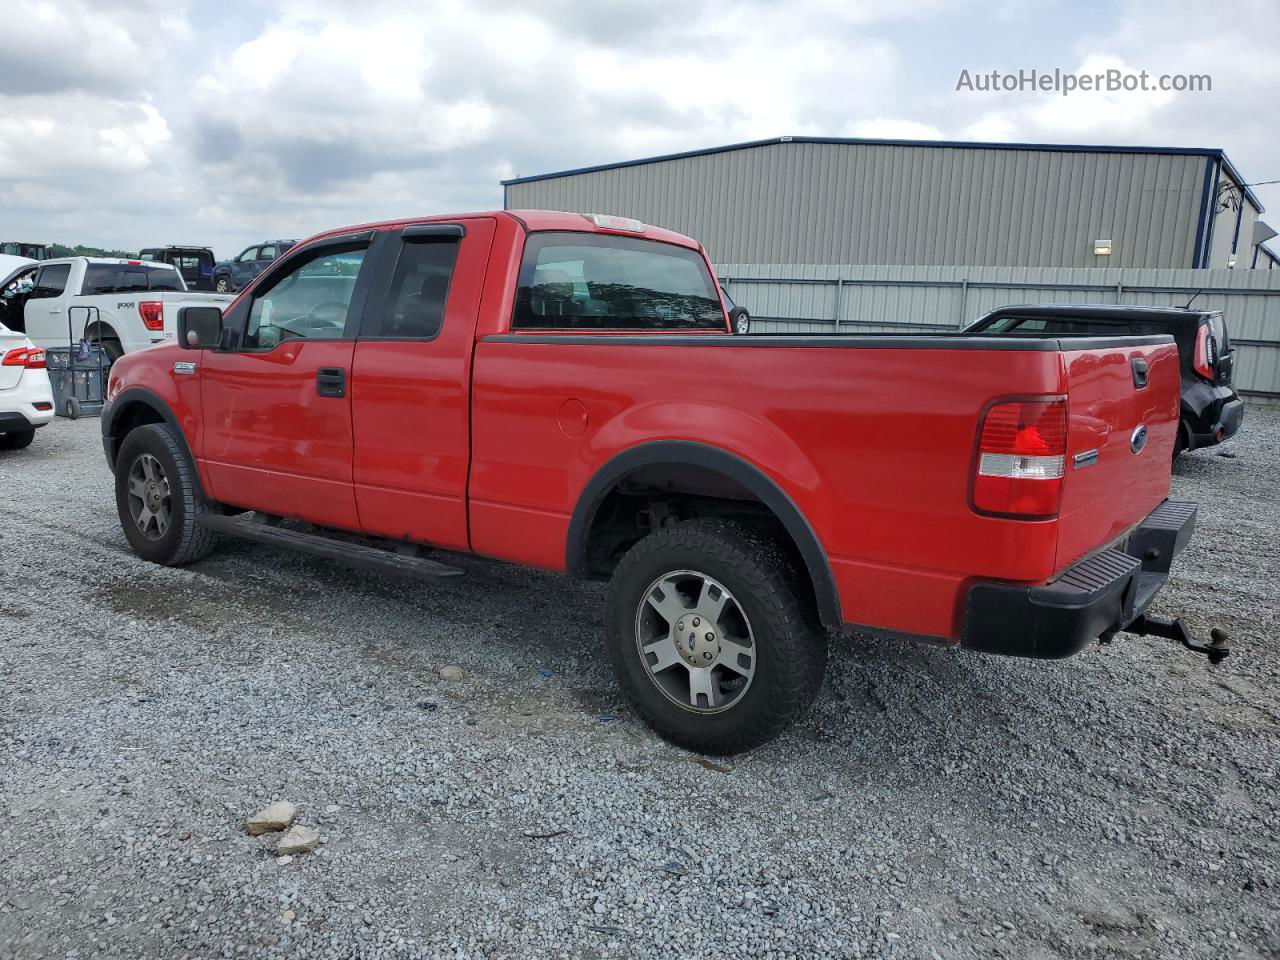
[194,263]
[1211,408]
[236,273]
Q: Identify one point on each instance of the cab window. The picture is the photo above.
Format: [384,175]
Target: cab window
[248,256]
[51,281]
[419,291]
[587,281]
[308,302]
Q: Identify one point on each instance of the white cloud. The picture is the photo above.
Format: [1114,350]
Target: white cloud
[155,121]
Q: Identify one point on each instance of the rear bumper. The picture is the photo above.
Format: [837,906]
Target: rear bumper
[1226,420]
[1097,597]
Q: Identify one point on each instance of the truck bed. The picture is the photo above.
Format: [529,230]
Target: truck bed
[872,437]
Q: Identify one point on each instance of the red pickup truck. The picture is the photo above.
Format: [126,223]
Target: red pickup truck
[562,391]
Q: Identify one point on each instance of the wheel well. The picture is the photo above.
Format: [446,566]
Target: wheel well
[98,331]
[133,415]
[654,496]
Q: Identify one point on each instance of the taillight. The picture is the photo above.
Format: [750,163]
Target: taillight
[1206,360]
[1021,455]
[152,313]
[30,357]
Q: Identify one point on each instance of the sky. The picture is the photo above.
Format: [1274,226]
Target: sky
[140,123]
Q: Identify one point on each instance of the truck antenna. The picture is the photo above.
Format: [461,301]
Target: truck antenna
[1187,305]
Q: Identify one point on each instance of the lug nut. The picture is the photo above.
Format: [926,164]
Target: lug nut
[710,636]
[697,622]
[707,655]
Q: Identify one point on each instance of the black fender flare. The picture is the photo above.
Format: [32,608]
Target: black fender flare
[122,401]
[760,485]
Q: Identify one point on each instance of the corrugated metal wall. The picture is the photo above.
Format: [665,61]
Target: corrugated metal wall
[814,203]
[880,299]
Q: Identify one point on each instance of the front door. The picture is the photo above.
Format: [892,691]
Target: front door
[277,408]
[411,403]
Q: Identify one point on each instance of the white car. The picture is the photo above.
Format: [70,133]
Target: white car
[26,399]
[123,304]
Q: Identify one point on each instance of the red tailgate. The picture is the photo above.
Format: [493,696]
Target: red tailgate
[1112,479]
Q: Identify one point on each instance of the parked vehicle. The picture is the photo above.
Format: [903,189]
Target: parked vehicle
[558,390]
[124,304]
[26,400]
[739,318]
[28,251]
[194,263]
[1210,409]
[236,273]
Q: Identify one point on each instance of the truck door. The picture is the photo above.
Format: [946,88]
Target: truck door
[277,408]
[411,383]
[46,309]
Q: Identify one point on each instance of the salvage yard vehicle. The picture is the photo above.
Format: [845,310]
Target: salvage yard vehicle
[1210,409]
[26,398]
[194,263]
[238,272]
[562,391]
[123,304]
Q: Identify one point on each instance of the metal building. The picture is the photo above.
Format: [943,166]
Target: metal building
[810,200]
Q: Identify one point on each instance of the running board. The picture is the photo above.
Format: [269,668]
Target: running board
[317,545]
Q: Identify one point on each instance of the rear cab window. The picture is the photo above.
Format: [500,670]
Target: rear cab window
[102,278]
[587,282]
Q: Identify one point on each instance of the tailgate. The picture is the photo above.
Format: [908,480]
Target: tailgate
[1120,437]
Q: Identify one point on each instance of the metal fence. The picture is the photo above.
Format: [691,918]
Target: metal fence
[798,298]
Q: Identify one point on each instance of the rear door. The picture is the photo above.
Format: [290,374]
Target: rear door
[47,319]
[411,383]
[277,409]
[1122,409]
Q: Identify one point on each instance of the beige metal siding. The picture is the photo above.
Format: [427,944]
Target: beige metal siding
[882,299]
[884,204]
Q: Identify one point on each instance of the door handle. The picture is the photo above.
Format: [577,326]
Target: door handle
[331,382]
[55,309]
[1140,373]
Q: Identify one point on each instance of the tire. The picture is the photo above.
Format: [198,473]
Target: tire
[180,539]
[222,285]
[113,350]
[1180,443]
[17,439]
[786,656]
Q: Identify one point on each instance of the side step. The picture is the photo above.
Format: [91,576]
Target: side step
[317,545]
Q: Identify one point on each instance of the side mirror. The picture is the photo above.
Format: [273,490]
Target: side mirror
[740,321]
[199,328]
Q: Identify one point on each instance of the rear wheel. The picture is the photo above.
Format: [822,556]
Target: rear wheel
[159,500]
[709,638]
[113,350]
[17,439]
[1180,444]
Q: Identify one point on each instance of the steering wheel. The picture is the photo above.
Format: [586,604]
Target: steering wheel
[332,312]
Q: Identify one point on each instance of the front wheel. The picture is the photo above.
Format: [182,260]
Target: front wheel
[17,439]
[158,498]
[222,285]
[709,637]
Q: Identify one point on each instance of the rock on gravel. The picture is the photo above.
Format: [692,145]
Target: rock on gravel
[299,839]
[271,818]
[450,673]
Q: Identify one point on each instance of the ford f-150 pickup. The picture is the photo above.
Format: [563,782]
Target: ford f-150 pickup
[563,391]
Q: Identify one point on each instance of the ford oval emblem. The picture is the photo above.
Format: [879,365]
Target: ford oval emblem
[1139,438]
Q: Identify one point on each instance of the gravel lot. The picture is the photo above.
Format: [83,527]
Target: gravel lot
[934,804]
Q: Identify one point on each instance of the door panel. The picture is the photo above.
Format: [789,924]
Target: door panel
[277,412]
[271,441]
[411,387]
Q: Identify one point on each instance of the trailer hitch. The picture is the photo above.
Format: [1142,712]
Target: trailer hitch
[1147,626]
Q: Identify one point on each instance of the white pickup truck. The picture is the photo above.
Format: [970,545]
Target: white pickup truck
[123,304]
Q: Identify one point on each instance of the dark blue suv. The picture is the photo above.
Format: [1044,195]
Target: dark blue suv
[236,273]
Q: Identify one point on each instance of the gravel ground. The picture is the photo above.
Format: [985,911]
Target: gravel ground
[934,804]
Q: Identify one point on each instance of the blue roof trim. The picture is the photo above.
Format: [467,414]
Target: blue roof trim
[1197,250]
[1213,152]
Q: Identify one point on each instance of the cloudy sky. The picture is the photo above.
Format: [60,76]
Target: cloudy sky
[125,124]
